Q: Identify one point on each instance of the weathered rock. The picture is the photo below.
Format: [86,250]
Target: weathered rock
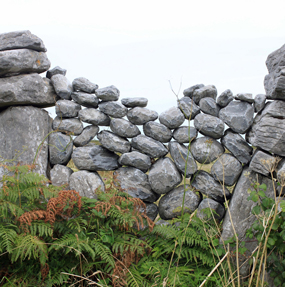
[259,102]
[226,169]
[135,183]
[246,97]
[204,92]
[149,146]
[217,209]
[113,142]
[281,173]
[94,117]
[95,157]
[60,148]
[84,85]
[113,109]
[140,116]
[86,183]
[170,205]
[237,145]
[172,118]
[185,134]
[124,128]
[209,125]
[62,86]
[68,125]
[151,210]
[110,93]
[238,116]
[207,185]
[189,91]
[206,150]
[225,98]
[188,108]
[134,102]
[59,175]
[54,71]
[86,100]
[21,40]
[164,176]
[276,59]
[67,109]
[22,61]
[86,136]
[29,89]
[136,159]
[157,131]
[209,106]
[182,157]
[262,162]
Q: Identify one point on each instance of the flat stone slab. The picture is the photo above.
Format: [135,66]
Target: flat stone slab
[82,84]
[188,108]
[62,86]
[134,102]
[85,99]
[157,131]
[246,97]
[67,125]
[136,159]
[204,92]
[209,106]
[164,176]
[54,71]
[124,128]
[60,174]
[135,183]
[110,93]
[225,98]
[189,91]
[67,109]
[172,118]
[170,205]
[262,162]
[259,102]
[218,210]
[113,109]
[140,116]
[185,134]
[86,136]
[94,117]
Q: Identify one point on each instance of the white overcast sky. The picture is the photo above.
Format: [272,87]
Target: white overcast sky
[141,46]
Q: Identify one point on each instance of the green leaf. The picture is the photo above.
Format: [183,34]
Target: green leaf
[271,241]
[282,205]
[254,198]
[242,250]
[256,210]
[216,242]
[263,186]
[261,193]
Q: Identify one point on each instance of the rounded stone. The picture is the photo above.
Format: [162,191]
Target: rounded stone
[246,97]
[59,175]
[124,128]
[140,116]
[67,109]
[217,210]
[188,108]
[172,118]
[94,117]
[86,136]
[204,92]
[68,125]
[85,100]
[189,91]
[134,102]
[110,93]
[136,159]
[151,210]
[84,85]
[157,131]
[185,134]
[225,98]
[62,86]
[259,102]
[209,106]
[113,109]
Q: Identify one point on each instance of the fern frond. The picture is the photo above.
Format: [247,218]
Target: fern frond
[8,235]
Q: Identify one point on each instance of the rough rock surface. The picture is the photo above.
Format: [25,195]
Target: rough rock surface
[68,125]
[185,134]
[136,159]
[246,97]
[85,99]
[86,136]
[110,93]
[172,118]
[124,128]
[204,92]
[134,102]
[59,175]
[209,106]
[259,102]
[225,98]
[84,85]
[113,109]
[94,117]
[54,71]
[188,108]
[151,210]
[218,210]
[62,86]
[140,116]
[262,162]
[189,91]
[157,131]
[67,109]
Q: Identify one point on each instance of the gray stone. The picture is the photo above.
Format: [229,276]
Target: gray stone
[206,184]
[238,116]
[217,209]
[157,131]
[185,134]
[84,85]
[86,183]
[205,149]
[140,116]
[170,205]
[149,146]
[188,108]
[276,59]
[135,183]
[94,117]
[204,92]
[67,109]
[86,100]
[209,106]
[60,174]
[21,40]
[151,210]
[22,61]
[62,86]
[136,159]
[268,129]
[164,176]
[182,158]
[95,157]
[29,89]
[262,162]
[86,136]
[225,98]
[60,148]
[134,102]
[281,173]
[209,125]
[124,128]
[54,71]
[259,102]
[172,118]
[110,93]
[237,145]
[68,125]
[113,142]
[226,169]
[189,91]
[113,109]
[246,97]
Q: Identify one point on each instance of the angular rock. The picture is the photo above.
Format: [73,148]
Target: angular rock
[94,117]
[60,148]
[276,59]
[204,92]
[209,125]
[226,169]
[134,102]
[22,61]
[21,40]
[67,125]
[209,106]
[259,102]
[189,91]
[54,71]
[149,146]
[182,157]
[86,136]
[157,131]
[225,98]
[62,86]
[262,162]
[206,150]
[86,183]
[113,142]
[67,109]
[60,174]
[84,85]
[207,185]
[140,116]
[172,118]
[281,173]
[170,205]
[95,157]
[136,159]
[188,108]
[84,99]
[164,176]
[246,97]
[185,134]
[238,116]
[151,210]
[113,109]
[110,93]
[135,183]
[217,209]
[124,128]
